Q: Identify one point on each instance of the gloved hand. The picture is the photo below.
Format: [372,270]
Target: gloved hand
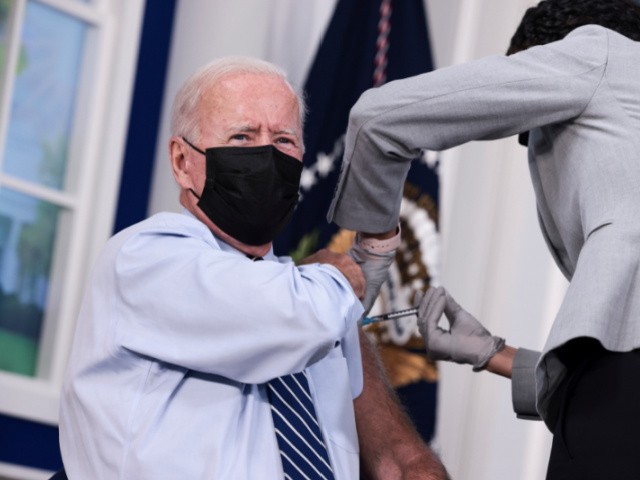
[374,258]
[466,341]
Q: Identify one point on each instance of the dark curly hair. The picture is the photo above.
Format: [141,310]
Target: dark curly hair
[552,20]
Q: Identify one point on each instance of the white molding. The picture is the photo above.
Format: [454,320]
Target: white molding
[7,81]
[58,198]
[29,398]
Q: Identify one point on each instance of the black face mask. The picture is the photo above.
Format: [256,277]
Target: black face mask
[250,192]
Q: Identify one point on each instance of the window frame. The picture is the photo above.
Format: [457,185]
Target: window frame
[94,164]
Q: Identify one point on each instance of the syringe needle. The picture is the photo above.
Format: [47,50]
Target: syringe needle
[389,316]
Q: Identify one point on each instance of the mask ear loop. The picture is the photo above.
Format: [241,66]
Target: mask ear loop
[193,146]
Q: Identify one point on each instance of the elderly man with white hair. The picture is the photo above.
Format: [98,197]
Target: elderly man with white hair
[193,337]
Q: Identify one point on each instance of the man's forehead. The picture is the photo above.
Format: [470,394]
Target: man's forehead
[248,88]
[251,105]
[254,82]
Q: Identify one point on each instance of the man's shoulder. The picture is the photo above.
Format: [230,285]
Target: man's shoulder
[167,223]
[162,226]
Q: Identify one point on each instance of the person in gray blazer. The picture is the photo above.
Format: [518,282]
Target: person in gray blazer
[570,86]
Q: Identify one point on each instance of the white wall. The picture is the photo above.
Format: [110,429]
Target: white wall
[494,258]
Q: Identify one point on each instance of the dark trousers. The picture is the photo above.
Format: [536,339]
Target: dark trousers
[597,435]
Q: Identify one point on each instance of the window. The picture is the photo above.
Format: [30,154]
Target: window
[66,69]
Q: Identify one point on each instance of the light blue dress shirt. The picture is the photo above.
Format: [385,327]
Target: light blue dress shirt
[177,334]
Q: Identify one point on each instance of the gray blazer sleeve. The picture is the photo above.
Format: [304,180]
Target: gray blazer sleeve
[490,98]
[523,384]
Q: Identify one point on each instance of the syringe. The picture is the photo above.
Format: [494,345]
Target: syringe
[389,316]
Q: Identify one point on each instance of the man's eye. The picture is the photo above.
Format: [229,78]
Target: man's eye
[240,137]
[284,140]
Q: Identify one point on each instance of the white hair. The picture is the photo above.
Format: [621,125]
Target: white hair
[185,120]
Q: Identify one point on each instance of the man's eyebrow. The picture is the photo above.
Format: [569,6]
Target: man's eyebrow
[246,127]
[286,131]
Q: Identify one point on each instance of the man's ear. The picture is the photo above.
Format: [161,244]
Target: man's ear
[180,165]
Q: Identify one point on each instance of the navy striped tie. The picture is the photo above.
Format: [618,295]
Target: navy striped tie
[302,450]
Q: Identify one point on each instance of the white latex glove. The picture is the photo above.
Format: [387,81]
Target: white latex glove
[374,257]
[466,341]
